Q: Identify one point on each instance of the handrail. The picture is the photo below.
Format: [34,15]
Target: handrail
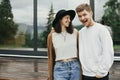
[116,58]
[23,56]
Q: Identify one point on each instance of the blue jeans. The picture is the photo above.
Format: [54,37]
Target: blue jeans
[67,70]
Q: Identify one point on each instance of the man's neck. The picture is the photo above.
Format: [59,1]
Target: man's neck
[91,24]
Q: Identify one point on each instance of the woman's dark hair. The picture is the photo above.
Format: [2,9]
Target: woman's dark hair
[58,28]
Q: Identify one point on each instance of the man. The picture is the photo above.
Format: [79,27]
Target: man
[95,46]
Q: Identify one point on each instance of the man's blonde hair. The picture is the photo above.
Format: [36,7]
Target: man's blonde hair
[82,7]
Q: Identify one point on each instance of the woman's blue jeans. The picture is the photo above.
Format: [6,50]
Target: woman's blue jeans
[67,70]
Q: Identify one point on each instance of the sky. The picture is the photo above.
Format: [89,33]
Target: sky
[23,9]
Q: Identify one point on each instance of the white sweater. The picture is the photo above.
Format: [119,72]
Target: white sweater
[96,50]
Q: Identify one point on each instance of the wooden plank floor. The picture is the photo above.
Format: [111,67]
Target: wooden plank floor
[24,69]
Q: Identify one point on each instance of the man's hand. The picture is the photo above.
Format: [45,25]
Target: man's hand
[97,76]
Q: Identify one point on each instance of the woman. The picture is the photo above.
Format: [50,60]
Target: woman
[63,63]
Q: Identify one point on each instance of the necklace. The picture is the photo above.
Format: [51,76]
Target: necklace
[64,35]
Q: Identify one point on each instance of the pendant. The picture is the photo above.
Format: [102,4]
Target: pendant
[64,36]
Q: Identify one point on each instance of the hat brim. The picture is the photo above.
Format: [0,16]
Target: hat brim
[69,12]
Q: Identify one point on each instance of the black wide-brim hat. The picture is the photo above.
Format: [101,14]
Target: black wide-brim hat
[62,13]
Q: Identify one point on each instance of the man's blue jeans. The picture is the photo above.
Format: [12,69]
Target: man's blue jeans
[67,70]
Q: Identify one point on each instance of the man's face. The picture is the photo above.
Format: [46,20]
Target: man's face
[85,17]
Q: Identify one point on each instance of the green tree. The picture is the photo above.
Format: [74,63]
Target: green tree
[43,36]
[28,40]
[8,28]
[111,18]
[78,27]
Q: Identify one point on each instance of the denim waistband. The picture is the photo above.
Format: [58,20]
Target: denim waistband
[68,60]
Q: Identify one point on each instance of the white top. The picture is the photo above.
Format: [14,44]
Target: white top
[65,45]
[96,50]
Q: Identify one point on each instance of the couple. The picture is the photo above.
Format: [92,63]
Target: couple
[94,56]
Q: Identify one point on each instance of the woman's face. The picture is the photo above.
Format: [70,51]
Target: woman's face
[65,21]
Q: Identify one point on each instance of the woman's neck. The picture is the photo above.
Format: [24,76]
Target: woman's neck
[63,29]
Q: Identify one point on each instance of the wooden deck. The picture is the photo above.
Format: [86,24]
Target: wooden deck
[23,69]
[35,69]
